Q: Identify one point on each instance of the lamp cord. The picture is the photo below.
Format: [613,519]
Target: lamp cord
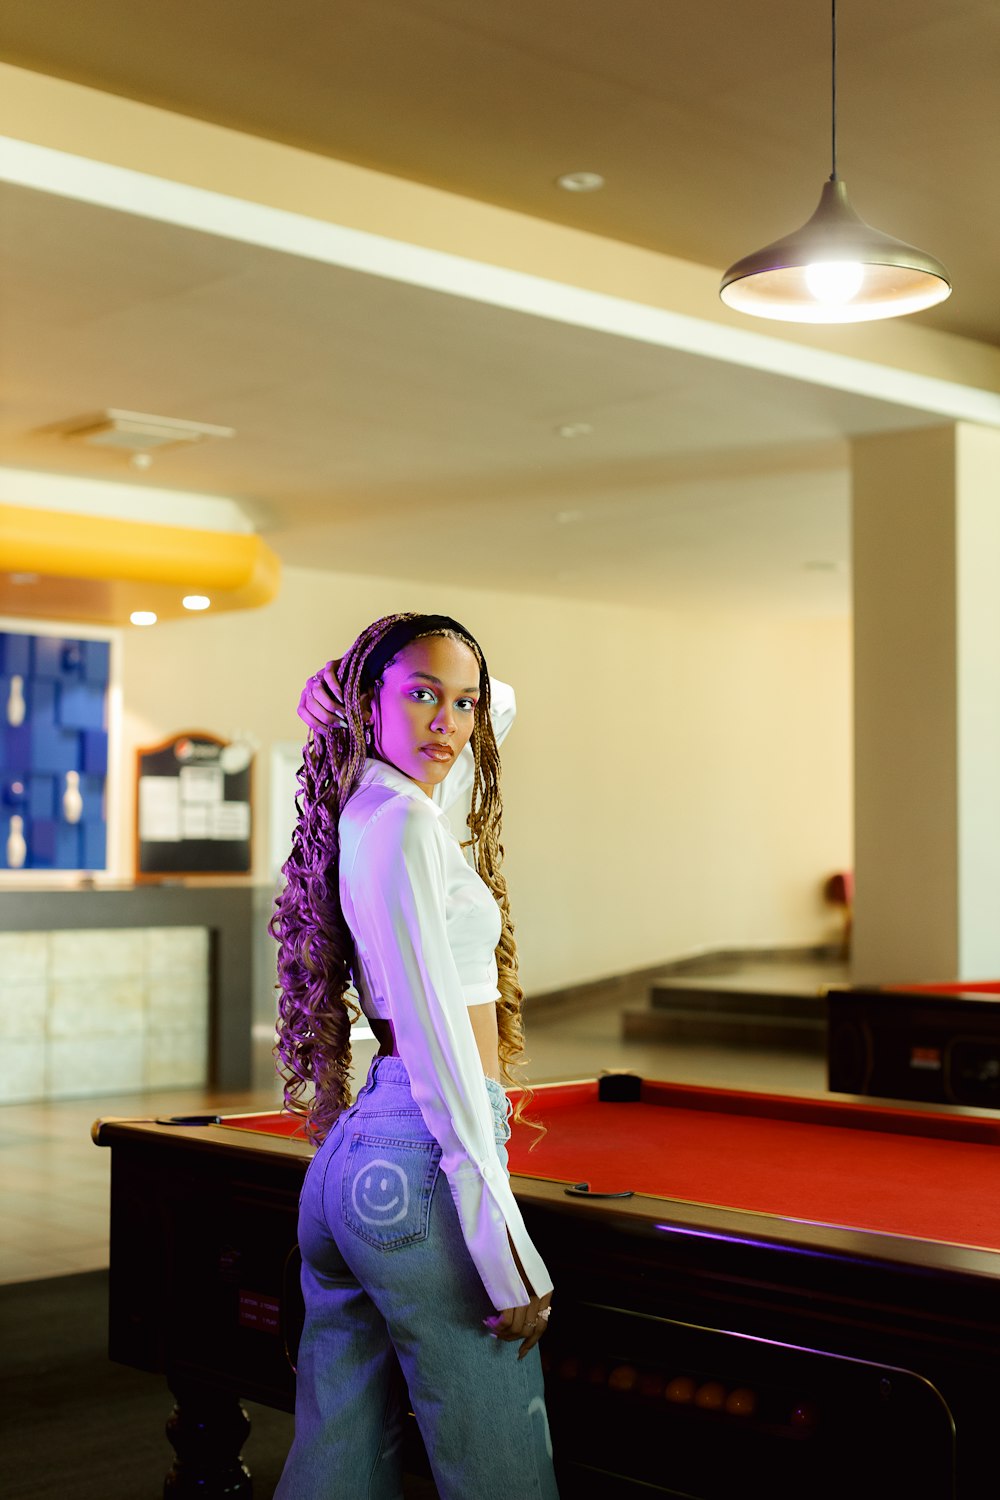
[833,71]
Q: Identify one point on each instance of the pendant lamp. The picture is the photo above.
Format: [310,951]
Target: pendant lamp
[836,268]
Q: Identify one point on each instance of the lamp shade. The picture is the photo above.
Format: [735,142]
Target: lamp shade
[835,269]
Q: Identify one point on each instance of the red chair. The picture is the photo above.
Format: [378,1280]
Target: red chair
[838,890]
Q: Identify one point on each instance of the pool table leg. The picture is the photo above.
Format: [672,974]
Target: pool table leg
[207,1430]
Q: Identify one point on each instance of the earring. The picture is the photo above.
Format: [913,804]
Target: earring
[368,735]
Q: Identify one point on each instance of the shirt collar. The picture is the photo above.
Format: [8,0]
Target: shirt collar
[380,772]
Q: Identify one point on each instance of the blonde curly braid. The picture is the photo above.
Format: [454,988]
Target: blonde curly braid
[316,955]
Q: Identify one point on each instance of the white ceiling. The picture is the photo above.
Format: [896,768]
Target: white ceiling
[386,428]
[382,427]
[710,121]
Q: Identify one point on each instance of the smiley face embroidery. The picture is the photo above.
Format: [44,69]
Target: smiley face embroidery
[380,1193]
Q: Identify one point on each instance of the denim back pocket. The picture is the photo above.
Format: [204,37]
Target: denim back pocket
[387,1187]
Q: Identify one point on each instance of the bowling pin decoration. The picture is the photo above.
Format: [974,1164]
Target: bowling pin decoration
[72,801]
[16,706]
[17,849]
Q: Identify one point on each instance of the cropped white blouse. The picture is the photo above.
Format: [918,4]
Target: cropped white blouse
[425,927]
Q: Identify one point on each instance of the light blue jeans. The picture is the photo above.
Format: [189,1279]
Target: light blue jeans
[394,1310]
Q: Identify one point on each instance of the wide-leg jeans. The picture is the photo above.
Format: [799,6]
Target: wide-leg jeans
[394,1312]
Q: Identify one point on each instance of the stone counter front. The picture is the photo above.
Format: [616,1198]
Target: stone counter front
[109,991]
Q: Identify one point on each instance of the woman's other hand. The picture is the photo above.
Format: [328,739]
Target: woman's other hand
[527,1323]
[321,705]
[521,1323]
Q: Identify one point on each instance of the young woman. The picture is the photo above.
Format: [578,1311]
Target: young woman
[419,1278]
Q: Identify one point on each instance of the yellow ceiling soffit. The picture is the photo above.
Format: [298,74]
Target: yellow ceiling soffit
[61,565]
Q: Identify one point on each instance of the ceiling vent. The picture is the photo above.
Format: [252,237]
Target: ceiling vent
[138,432]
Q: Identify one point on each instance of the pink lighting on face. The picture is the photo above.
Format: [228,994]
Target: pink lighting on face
[424,712]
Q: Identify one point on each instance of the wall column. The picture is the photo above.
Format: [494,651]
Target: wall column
[926,508]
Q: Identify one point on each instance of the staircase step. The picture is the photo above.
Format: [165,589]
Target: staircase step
[666,995]
[730,1028]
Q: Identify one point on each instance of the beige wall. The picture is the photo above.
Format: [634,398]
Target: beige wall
[673,783]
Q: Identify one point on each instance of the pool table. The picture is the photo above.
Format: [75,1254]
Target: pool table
[754,1293]
[938,1043]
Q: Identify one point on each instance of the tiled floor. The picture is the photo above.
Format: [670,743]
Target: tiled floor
[54,1182]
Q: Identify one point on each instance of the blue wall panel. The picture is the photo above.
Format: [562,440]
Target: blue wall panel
[95,752]
[68,846]
[17,748]
[97,662]
[42,848]
[65,684]
[94,855]
[15,655]
[80,705]
[40,696]
[42,797]
[48,656]
[55,750]
[92,791]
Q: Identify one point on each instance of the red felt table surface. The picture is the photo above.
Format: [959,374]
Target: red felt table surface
[277,1122]
[931,1186]
[901,1172]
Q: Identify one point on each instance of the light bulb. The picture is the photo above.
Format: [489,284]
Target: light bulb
[196,601]
[833,281]
[142,617]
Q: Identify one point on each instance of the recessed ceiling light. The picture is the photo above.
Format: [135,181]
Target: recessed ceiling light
[573,429]
[196,601]
[142,617]
[580,182]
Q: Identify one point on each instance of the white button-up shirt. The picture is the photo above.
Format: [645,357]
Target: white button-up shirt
[425,928]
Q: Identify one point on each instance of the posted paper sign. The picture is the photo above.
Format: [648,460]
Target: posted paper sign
[196,820]
[201,784]
[159,810]
[230,820]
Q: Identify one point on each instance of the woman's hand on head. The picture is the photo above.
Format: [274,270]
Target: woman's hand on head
[321,705]
[521,1324]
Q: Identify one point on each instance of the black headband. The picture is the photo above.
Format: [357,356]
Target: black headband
[400,635]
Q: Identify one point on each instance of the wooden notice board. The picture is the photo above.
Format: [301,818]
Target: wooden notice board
[193,812]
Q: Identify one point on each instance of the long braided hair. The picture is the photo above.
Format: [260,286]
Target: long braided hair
[316,956]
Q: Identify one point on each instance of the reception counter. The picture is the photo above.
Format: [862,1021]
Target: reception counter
[126,988]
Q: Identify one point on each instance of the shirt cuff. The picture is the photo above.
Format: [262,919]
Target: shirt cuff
[489,1213]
